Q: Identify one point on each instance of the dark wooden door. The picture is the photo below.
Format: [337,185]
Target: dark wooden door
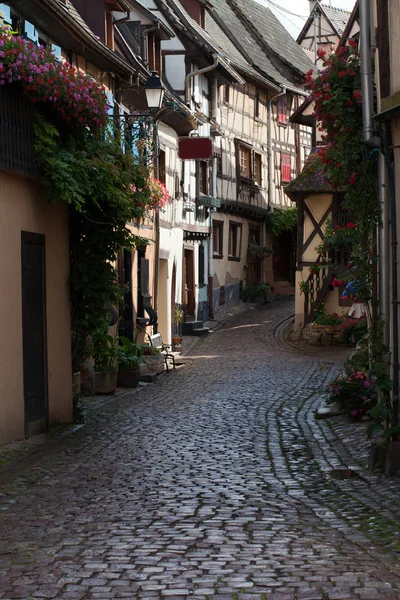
[188,283]
[34,332]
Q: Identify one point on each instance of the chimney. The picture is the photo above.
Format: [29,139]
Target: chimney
[312,5]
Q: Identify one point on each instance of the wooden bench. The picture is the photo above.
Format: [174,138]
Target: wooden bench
[156,342]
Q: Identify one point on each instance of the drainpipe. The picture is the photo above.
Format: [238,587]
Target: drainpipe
[385,192]
[369,133]
[144,36]
[195,74]
[270,156]
[215,116]
[384,250]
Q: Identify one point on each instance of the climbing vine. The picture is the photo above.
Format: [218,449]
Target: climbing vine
[348,164]
[105,190]
[282,220]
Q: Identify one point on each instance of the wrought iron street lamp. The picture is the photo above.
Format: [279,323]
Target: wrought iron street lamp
[154,90]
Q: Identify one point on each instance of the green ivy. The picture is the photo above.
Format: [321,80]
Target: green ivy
[105,190]
[282,220]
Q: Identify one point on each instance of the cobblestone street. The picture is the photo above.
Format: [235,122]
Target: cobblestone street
[215,482]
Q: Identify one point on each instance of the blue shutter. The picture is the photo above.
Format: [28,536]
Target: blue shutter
[30,32]
[56,50]
[5,13]
[110,103]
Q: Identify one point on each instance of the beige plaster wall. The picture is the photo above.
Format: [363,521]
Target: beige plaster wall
[24,208]
[318,204]
[232,271]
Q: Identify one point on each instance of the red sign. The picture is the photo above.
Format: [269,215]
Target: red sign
[195,148]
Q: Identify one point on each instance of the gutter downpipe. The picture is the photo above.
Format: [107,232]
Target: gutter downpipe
[192,74]
[144,36]
[215,116]
[385,176]
[270,162]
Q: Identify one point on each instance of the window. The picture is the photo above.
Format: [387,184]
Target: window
[257,168]
[219,165]
[245,161]
[257,105]
[203,177]
[282,110]
[286,175]
[226,94]
[235,240]
[218,238]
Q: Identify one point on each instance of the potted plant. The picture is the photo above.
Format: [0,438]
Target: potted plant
[354,392]
[104,353]
[153,360]
[129,356]
[178,318]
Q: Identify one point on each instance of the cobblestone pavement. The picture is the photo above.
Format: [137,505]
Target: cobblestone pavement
[215,482]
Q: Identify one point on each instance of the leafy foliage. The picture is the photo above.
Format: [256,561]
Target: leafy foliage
[94,176]
[349,165]
[282,219]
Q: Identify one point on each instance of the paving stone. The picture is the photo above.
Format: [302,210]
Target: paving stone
[214,482]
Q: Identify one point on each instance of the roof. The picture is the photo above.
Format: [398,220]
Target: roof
[71,30]
[310,181]
[251,44]
[273,33]
[337,18]
[188,24]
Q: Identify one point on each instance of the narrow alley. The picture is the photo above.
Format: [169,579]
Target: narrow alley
[215,482]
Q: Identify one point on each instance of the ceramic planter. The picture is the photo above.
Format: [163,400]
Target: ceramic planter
[105,383]
[152,364]
[128,379]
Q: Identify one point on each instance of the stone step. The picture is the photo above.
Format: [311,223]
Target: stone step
[201,332]
[189,326]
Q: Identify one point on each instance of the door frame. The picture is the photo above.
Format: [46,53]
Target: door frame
[34,427]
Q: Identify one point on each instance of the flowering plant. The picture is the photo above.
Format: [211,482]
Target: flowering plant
[73,96]
[159,195]
[353,330]
[354,392]
[328,319]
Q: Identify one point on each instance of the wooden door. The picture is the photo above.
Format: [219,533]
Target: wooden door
[188,282]
[34,340]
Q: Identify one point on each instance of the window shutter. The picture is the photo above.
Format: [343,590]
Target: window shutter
[56,50]
[30,32]
[282,110]
[285,168]
[6,13]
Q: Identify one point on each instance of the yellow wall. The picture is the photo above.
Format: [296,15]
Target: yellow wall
[25,208]
[318,204]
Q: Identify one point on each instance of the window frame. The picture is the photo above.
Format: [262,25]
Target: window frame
[220,226]
[203,177]
[282,108]
[248,150]
[237,243]
[286,168]
[257,166]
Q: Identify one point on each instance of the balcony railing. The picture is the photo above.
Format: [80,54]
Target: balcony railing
[16,132]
